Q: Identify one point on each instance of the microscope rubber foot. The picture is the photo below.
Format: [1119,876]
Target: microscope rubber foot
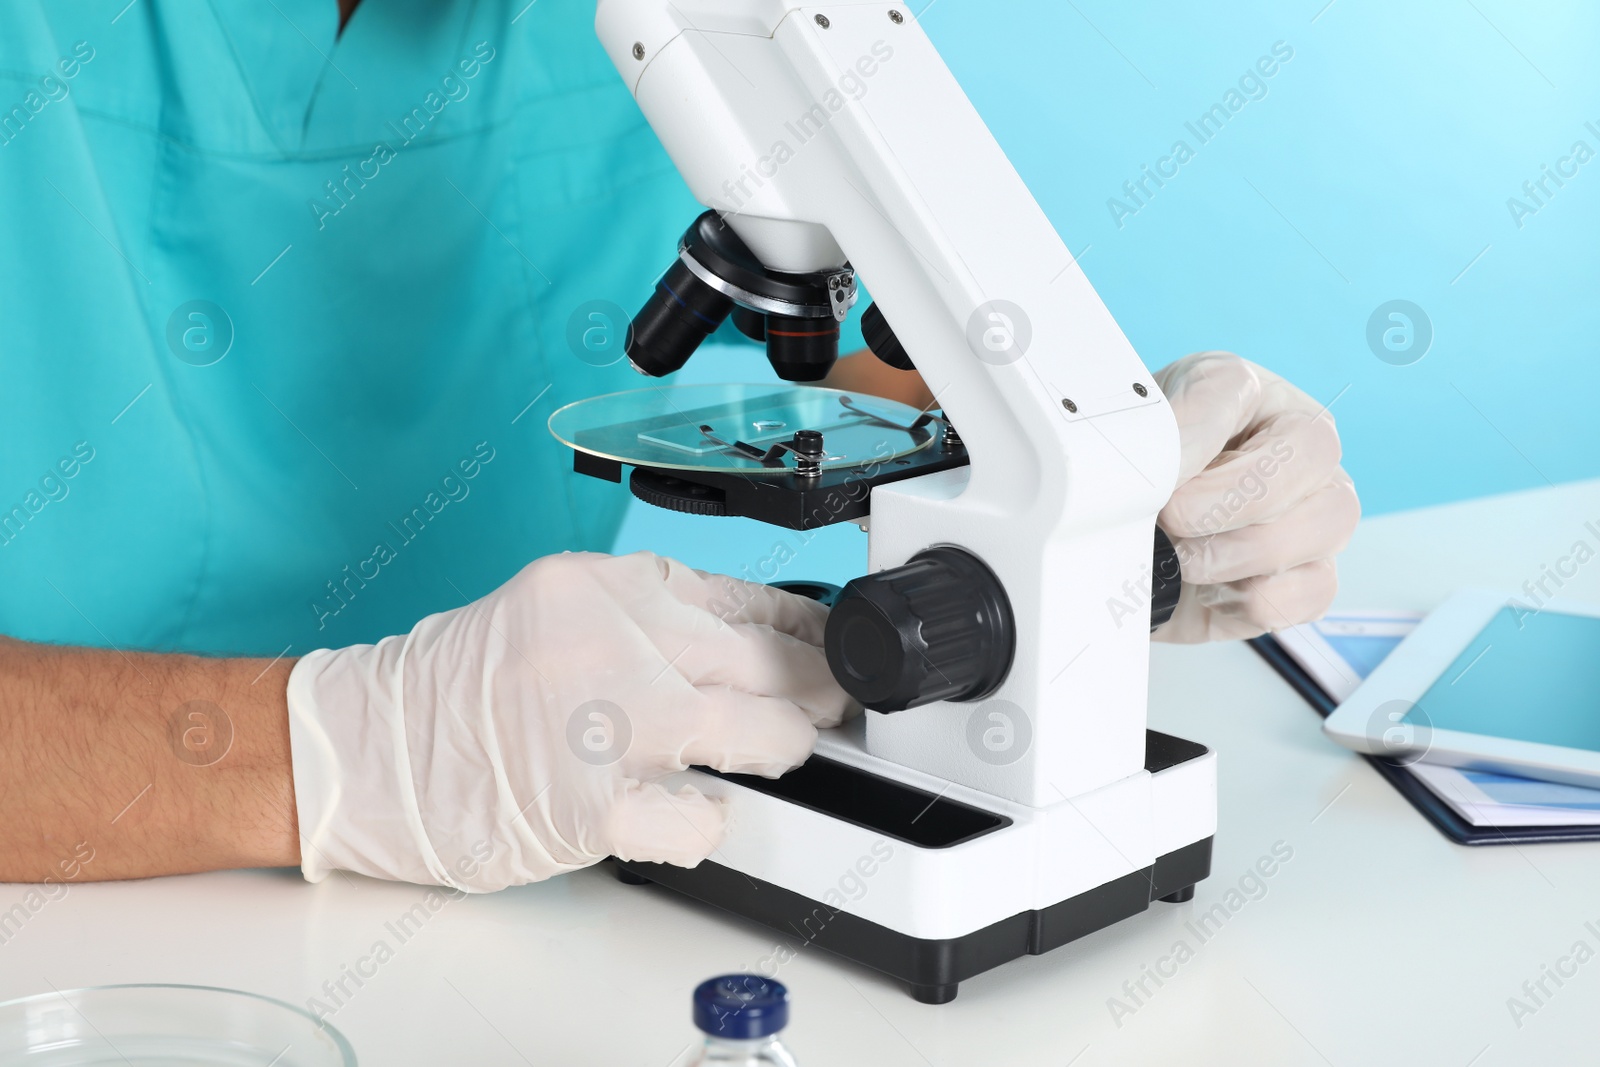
[1182,896]
[935,994]
[627,877]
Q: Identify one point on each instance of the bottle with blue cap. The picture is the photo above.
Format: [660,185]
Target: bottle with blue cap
[741,1016]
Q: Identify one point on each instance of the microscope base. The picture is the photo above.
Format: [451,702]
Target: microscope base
[933,969]
[832,816]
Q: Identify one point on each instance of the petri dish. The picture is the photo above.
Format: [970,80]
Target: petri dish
[171,1025]
[731,427]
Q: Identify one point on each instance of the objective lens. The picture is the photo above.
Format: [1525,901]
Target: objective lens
[680,314]
[802,350]
[881,339]
[753,324]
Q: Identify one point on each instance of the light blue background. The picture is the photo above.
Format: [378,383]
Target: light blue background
[1381,158]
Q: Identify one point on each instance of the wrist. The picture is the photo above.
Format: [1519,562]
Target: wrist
[234,730]
[353,791]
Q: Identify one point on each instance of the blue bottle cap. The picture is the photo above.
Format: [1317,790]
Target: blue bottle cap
[741,1006]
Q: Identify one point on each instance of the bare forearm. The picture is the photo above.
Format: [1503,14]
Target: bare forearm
[149,764]
[864,372]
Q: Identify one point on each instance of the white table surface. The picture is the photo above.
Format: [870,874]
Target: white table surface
[1378,942]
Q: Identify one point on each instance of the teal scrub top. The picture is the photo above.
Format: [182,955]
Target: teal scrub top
[283,312]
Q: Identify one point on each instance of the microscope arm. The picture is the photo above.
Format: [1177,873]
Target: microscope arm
[834,134]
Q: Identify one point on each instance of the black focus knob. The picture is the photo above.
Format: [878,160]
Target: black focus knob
[937,628]
[1166,580]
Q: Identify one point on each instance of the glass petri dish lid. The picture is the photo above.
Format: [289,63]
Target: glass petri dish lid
[170,1025]
[729,427]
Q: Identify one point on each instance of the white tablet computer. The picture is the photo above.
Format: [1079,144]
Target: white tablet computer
[1489,682]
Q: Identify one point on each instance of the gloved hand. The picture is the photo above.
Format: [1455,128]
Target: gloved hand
[520,736]
[1261,506]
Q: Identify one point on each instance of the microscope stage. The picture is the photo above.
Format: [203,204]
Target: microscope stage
[728,450]
[733,428]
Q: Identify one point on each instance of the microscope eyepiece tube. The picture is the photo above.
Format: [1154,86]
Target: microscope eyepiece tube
[680,314]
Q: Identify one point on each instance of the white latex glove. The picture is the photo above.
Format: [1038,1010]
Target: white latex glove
[520,736]
[1261,506]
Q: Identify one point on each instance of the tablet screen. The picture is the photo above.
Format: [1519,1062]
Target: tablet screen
[1526,677]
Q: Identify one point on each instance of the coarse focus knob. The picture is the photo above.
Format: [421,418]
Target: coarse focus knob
[1166,580]
[938,627]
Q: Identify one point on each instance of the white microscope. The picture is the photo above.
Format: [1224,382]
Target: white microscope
[1002,794]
